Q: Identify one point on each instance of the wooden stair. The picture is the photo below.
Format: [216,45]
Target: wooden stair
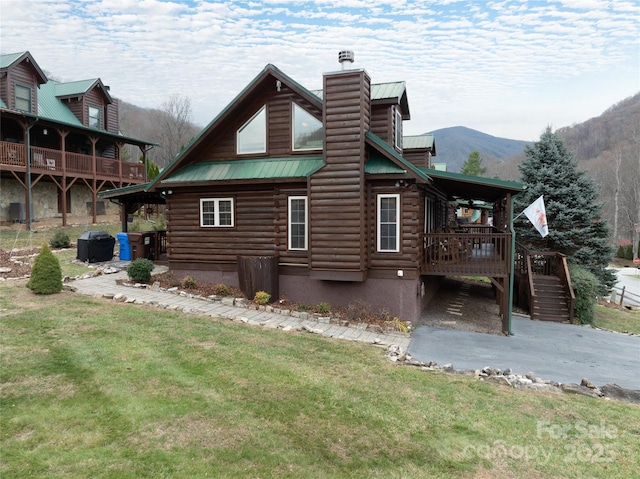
[550,302]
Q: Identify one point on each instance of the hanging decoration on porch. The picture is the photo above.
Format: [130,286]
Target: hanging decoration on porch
[538,216]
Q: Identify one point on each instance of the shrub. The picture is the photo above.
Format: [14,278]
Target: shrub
[323,308]
[397,324]
[262,297]
[303,307]
[585,286]
[46,275]
[222,290]
[620,253]
[188,282]
[358,311]
[60,240]
[140,270]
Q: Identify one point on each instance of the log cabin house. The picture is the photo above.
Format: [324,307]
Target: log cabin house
[324,187]
[60,146]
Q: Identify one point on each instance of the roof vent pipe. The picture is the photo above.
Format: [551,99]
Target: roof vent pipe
[345,56]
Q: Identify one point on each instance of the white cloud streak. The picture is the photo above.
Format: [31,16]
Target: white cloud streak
[508,68]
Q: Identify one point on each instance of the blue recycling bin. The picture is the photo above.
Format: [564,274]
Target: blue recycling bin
[125,246]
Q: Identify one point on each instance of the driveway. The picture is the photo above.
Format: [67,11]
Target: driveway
[559,352]
[565,353]
[629,278]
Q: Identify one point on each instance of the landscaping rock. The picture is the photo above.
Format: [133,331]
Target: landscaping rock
[613,391]
[572,388]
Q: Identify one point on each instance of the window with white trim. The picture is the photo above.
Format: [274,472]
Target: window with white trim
[216,212]
[95,117]
[252,136]
[307,130]
[298,223]
[389,223]
[22,98]
[398,129]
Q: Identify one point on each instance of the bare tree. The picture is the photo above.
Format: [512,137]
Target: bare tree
[174,127]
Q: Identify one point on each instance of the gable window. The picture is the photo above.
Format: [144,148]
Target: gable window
[95,117]
[388,223]
[22,98]
[398,129]
[297,222]
[307,130]
[252,136]
[216,212]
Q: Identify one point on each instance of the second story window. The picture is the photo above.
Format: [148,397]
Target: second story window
[398,129]
[252,136]
[23,98]
[307,130]
[95,117]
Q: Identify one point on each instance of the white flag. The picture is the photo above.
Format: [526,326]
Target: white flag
[537,215]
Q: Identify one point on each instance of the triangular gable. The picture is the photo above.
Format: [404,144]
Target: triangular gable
[385,149]
[10,59]
[269,72]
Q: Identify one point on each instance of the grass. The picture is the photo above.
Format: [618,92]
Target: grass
[621,320]
[92,388]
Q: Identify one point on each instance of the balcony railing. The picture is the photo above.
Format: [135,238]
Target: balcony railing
[57,162]
[474,253]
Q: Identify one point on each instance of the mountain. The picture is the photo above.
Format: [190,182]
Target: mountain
[454,144]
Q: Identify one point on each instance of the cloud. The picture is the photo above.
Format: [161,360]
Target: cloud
[464,62]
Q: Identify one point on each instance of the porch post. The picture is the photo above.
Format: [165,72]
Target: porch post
[512,259]
[94,183]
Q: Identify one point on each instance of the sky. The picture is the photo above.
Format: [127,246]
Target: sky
[508,68]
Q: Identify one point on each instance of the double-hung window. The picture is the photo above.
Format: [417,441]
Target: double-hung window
[389,223]
[22,98]
[298,223]
[216,212]
[95,117]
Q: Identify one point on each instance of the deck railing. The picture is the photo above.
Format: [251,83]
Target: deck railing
[47,160]
[471,253]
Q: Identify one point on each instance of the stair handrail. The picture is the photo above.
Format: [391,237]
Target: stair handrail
[532,292]
[565,277]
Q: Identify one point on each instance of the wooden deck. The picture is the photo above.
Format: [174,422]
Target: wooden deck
[13,157]
[477,254]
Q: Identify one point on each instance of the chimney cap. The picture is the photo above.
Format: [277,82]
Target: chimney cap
[345,56]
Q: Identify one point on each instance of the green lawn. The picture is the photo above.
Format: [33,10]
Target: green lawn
[96,389]
[624,321]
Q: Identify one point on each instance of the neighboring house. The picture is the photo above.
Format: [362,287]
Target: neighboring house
[59,145]
[325,185]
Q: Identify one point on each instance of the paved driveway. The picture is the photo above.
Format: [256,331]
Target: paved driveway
[560,352]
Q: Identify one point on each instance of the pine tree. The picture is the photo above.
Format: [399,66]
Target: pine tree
[573,211]
[472,165]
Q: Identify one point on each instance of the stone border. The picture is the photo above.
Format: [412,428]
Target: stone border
[517,381]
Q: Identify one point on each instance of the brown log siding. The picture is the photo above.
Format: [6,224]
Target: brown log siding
[23,75]
[337,192]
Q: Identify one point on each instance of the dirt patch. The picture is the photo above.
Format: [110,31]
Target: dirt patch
[464,304]
[17,262]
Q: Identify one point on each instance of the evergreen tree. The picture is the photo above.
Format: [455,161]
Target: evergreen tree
[472,165]
[46,275]
[571,203]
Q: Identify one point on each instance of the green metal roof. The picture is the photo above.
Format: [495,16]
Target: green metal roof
[8,59]
[259,169]
[379,91]
[50,106]
[417,141]
[378,164]
[392,153]
[513,185]
[79,87]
